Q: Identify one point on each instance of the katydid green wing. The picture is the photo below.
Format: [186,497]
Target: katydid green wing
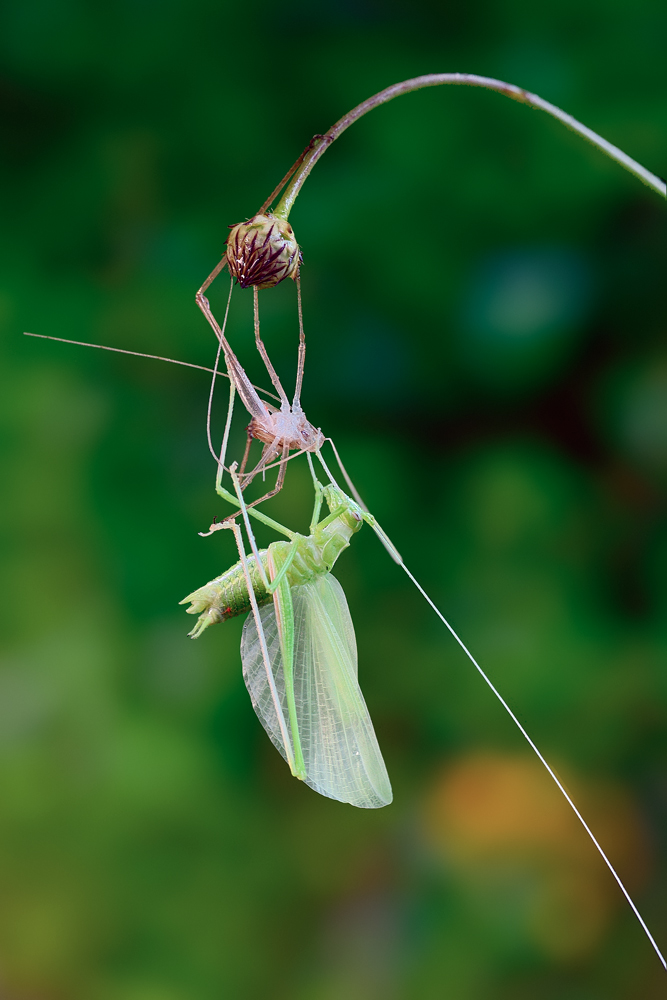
[341,753]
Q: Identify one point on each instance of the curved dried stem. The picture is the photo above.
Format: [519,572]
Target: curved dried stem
[278,188]
[319,145]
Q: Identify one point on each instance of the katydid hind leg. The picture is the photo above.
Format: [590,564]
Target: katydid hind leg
[225,437]
[266,660]
[248,527]
[282,602]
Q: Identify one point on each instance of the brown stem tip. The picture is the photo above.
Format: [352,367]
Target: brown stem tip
[262,252]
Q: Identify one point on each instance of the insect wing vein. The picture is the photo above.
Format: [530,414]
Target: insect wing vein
[341,754]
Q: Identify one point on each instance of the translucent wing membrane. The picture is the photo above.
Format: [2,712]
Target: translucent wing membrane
[341,753]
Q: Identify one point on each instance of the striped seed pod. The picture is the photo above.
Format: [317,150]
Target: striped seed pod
[262,252]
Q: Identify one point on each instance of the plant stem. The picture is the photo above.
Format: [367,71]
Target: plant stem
[320,143]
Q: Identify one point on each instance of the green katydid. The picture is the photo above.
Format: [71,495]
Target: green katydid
[299,651]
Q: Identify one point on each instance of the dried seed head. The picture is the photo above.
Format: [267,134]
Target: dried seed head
[262,252]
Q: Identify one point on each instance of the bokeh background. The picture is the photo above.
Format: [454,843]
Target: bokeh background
[484,305]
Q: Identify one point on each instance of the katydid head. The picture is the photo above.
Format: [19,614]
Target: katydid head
[347,511]
[353,515]
[262,252]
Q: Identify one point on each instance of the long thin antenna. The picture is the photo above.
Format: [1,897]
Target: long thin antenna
[140,354]
[542,760]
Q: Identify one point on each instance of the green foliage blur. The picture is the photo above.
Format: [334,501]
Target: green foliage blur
[485,323]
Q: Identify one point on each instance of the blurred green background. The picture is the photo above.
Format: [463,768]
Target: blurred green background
[485,322]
